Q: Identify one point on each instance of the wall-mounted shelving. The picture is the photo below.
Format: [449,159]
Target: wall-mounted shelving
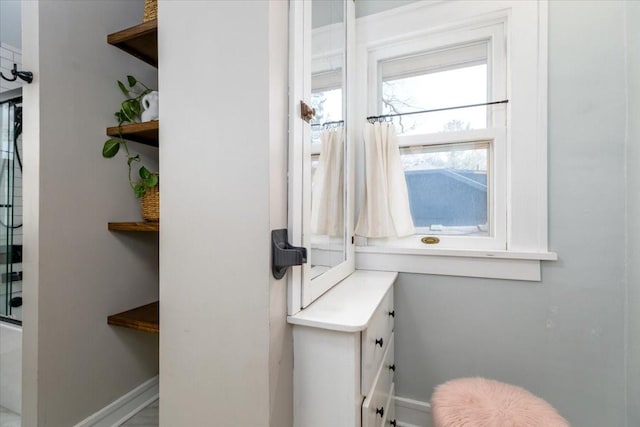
[145,318]
[140,41]
[134,226]
[144,133]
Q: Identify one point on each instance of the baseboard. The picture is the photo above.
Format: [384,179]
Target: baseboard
[412,413]
[120,410]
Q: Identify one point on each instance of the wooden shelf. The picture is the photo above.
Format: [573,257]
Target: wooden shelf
[140,41]
[144,133]
[145,318]
[134,226]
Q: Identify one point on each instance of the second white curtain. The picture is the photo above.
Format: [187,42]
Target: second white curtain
[327,191]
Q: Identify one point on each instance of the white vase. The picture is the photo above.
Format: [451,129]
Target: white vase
[149,103]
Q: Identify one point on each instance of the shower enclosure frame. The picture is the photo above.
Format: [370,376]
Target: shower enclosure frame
[12,254]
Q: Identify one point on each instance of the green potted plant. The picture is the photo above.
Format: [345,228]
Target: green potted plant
[146,186]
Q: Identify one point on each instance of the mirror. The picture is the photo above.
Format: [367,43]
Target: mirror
[320,163]
[327,155]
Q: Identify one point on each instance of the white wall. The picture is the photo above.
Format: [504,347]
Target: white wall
[633,210]
[225,351]
[10,367]
[562,338]
[77,272]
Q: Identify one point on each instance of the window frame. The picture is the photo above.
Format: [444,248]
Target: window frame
[492,33]
[430,24]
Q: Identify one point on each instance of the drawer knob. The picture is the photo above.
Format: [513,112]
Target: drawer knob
[392,313]
[392,423]
[392,367]
[380,411]
[380,342]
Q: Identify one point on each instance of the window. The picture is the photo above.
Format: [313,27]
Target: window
[454,158]
[476,176]
[447,183]
[326,99]
[328,106]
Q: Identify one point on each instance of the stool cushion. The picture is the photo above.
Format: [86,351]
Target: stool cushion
[479,402]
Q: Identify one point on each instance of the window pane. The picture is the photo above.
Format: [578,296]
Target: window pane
[453,87]
[447,187]
[328,106]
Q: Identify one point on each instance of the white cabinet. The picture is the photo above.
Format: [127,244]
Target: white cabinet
[343,355]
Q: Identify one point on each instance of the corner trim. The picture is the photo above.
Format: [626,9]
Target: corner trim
[125,407]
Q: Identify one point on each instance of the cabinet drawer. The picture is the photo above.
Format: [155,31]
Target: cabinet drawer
[389,419]
[375,340]
[374,406]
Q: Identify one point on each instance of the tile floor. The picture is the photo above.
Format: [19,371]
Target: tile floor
[9,418]
[148,417]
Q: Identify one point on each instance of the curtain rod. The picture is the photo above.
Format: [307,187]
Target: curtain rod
[336,123]
[373,119]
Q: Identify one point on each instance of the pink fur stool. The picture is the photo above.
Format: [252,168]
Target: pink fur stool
[479,402]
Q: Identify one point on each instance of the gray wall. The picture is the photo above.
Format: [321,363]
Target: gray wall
[633,210]
[563,338]
[77,272]
[326,12]
[369,7]
[10,22]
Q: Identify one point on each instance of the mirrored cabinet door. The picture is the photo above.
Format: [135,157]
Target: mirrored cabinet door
[321,196]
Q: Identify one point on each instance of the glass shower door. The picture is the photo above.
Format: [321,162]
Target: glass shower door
[11,210]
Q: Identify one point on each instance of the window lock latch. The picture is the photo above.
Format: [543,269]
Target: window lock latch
[283,254]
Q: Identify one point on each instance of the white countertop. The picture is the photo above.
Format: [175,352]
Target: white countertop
[349,305]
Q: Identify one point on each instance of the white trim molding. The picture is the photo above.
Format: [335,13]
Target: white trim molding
[412,413]
[125,407]
[482,264]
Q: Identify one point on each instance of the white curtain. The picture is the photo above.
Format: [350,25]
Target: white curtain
[385,211]
[327,188]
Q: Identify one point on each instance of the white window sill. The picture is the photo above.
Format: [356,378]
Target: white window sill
[492,264]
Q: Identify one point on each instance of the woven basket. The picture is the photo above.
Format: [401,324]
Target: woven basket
[150,10]
[150,204]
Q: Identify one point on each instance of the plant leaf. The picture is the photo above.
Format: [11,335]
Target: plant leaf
[131,109]
[132,81]
[110,148]
[135,107]
[152,181]
[123,88]
[135,158]
[144,173]
[126,112]
[139,190]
